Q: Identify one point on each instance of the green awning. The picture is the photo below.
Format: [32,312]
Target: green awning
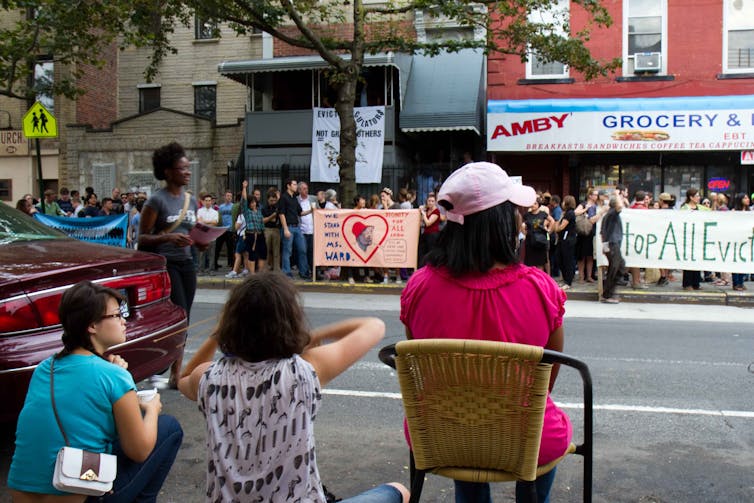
[445,93]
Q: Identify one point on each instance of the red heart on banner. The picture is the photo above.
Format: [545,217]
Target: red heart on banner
[354,226]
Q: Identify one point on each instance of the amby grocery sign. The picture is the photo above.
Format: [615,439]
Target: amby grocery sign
[694,123]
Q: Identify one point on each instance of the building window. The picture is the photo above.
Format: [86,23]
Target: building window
[205,100]
[205,28]
[149,98]
[738,44]
[645,31]
[557,16]
[44,79]
[6,189]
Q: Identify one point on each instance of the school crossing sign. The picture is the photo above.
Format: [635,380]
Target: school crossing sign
[38,122]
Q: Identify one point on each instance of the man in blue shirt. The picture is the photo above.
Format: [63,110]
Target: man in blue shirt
[228,237]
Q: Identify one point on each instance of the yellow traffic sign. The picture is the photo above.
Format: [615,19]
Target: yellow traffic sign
[39,123]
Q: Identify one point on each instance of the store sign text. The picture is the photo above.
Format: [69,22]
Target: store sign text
[530,126]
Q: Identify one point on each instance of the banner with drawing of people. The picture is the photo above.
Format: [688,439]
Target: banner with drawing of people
[374,238]
[718,241]
[108,230]
[370,144]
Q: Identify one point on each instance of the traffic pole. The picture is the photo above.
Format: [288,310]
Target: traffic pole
[39,176]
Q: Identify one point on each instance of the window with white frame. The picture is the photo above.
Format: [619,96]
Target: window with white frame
[738,44]
[558,16]
[645,36]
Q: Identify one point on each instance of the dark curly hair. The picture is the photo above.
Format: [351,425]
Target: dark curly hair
[83,304]
[165,157]
[263,319]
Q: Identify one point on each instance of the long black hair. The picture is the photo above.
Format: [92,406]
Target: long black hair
[738,202]
[83,304]
[485,238]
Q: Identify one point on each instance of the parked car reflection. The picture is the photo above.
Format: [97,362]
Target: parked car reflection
[37,264]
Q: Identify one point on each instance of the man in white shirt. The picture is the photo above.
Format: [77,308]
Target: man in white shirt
[207,215]
[307,223]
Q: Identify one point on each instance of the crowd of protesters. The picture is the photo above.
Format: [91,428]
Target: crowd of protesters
[274,229]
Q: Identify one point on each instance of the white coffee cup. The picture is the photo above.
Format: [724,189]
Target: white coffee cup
[146,395]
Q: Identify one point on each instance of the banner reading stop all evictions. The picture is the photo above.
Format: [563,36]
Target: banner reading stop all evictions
[621,124]
[374,238]
[691,240]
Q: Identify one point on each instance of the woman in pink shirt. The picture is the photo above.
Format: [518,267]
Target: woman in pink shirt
[484,293]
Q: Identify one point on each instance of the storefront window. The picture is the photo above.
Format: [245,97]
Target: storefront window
[599,177]
[721,180]
[678,179]
[646,178]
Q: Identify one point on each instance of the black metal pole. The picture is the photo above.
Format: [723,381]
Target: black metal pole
[39,176]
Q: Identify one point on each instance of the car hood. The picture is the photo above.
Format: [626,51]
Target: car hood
[39,262]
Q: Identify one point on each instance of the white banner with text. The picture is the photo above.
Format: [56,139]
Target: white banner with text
[370,144]
[717,241]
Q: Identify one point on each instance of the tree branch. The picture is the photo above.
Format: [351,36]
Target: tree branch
[323,51]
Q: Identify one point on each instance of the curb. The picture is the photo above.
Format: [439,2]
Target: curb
[717,297]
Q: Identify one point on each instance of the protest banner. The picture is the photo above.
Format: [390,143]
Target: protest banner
[373,238]
[370,144]
[107,230]
[717,241]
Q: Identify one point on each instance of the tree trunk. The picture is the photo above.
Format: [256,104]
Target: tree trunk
[347,158]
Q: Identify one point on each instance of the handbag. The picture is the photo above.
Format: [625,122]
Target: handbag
[76,470]
[583,225]
[540,240]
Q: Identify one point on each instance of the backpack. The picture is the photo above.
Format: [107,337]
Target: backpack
[583,225]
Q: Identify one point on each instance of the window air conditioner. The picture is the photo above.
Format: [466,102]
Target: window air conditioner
[647,62]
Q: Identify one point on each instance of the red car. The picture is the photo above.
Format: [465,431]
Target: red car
[37,264]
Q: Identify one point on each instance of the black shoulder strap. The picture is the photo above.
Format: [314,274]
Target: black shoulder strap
[52,396]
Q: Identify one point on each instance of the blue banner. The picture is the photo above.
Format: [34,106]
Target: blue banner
[110,230]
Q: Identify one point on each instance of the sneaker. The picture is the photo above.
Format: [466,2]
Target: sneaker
[610,300]
[244,273]
[351,281]
[639,286]
[385,280]
[231,275]
[662,281]
[398,281]
[367,279]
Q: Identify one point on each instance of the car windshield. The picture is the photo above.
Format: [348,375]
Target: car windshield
[16,226]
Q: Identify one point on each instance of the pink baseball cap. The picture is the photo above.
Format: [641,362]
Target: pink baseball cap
[481,185]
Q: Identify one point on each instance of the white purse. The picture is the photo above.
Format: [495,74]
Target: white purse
[78,471]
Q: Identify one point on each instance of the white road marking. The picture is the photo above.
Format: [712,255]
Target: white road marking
[611,407]
[378,303]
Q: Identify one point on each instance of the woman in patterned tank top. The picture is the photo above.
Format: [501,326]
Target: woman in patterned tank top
[260,399]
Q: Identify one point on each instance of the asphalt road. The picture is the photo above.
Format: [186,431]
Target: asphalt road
[674,410]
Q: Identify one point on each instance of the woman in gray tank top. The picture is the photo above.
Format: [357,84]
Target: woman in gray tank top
[165,228]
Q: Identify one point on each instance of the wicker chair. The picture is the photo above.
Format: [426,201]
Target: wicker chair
[475,409]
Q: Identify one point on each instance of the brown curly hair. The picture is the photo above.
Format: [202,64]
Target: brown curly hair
[263,319]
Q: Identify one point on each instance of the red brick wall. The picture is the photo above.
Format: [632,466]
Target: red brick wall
[694,52]
[98,107]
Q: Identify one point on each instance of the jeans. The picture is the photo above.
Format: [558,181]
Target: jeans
[380,494]
[298,237]
[141,482]
[479,492]
[309,239]
[738,279]
[183,284]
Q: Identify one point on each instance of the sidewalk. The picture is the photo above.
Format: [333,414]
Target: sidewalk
[669,294]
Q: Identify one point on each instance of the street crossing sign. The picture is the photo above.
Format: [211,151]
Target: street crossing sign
[38,122]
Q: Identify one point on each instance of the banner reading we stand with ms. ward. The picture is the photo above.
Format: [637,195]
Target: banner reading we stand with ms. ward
[718,241]
[374,238]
